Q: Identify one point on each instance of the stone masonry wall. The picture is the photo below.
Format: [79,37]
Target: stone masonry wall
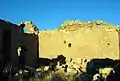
[84,43]
[32,53]
[16,40]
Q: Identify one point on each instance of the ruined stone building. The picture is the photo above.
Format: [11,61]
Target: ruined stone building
[11,37]
[84,40]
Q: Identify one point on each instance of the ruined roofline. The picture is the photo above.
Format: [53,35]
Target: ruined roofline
[9,23]
[97,22]
[81,24]
[78,25]
[92,21]
[73,25]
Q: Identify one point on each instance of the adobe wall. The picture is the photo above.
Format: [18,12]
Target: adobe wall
[10,37]
[1,39]
[4,41]
[85,43]
[30,41]
[16,40]
[119,43]
[32,44]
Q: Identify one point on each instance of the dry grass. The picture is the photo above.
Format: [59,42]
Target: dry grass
[58,76]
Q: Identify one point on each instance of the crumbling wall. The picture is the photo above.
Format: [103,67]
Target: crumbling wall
[119,42]
[12,37]
[27,40]
[30,27]
[16,39]
[91,41]
[9,39]
[4,42]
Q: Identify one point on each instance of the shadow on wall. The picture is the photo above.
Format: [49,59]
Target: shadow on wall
[6,46]
[94,65]
[31,44]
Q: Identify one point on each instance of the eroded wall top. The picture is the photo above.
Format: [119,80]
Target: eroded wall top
[76,25]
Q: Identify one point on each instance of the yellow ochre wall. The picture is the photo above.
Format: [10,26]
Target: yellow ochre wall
[86,43]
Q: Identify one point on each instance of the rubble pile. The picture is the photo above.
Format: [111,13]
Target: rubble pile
[73,25]
[30,27]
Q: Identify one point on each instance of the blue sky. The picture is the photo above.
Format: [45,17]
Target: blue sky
[49,14]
